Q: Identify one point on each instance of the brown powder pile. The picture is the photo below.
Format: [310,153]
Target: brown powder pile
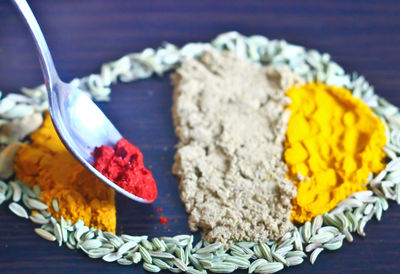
[231,121]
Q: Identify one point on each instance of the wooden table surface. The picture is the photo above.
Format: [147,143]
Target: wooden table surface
[362,36]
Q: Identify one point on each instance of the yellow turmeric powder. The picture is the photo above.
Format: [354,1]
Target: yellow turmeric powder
[47,163]
[334,141]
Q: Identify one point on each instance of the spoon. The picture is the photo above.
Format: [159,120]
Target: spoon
[80,124]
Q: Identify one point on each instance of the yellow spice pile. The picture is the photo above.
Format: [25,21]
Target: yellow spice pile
[47,163]
[334,141]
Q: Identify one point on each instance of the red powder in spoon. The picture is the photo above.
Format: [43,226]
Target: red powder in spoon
[123,165]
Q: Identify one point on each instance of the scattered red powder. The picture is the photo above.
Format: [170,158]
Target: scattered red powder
[159,209]
[123,165]
[163,220]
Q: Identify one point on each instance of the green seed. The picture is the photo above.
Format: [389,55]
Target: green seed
[195,262]
[240,262]
[307,231]
[296,253]
[123,261]
[160,263]
[257,263]
[208,249]
[270,267]
[334,245]
[145,255]
[223,268]
[315,254]
[266,251]
[178,263]
[151,268]
[163,255]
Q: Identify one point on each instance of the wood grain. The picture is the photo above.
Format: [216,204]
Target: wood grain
[363,36]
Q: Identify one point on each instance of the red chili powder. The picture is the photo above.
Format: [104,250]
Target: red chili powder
[163,220]
[123,165]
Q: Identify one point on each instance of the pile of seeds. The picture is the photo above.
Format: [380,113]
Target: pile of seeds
[176,254]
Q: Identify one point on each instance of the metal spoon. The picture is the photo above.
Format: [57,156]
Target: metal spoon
[80,124]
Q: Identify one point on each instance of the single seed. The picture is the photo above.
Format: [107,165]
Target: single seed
[178,263]
[292,261]
[180,253]
[54,203]
[317,223]
[137,257]
[209,248]
[286,243]
[112,257]
[269,267]
[240,262]
[266,251]
[16,191]
[195,262]
[129,238]
[223,268]
[123,261]
[126,247]
[18,210]
[348,235]
[64,229]
[163,255]
[361,225]
[145,254]
[146,244]
[296,253]
[160,263]
[368,209]
[313,246]
[45,234]
[307,231]
[150,267]
[378,210]
[334,245]
[330,229]
[284,250]
[91,244]
[279,258]
[35,204]
[38,218]
[58,233]
[315,254]
[322,238]
[206,264]
[254,265]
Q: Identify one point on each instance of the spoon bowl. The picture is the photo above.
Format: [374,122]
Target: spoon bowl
[80,124]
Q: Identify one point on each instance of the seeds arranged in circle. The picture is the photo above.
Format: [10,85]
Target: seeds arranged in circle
[281,156]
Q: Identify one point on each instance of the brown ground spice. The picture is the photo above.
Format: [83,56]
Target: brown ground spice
[231,121]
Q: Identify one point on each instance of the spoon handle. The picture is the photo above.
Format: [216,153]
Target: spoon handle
[46,61]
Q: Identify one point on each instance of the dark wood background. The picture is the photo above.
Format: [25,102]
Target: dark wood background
[361,35]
